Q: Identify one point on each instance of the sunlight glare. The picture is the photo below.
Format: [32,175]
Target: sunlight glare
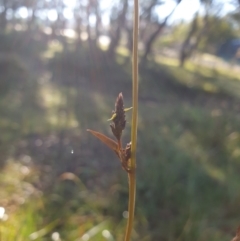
[106,234]
[84,36]
[104,40]
[52,15]
[2,212]
[23,12]
[68,13]
[85,237]
[55,236]
[125,214]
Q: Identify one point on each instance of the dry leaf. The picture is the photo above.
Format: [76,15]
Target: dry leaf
[237,237]
[106,140]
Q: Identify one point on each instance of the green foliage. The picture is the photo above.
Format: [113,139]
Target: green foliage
[219,31]
[12,73]
[187,159]
[23,43]
[174,37]
[188,155]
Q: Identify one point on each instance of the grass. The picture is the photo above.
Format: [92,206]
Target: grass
[188,152]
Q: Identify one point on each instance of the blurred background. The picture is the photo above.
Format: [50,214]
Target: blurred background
[62,65]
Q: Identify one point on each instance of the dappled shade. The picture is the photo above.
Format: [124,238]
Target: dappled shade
[57,80]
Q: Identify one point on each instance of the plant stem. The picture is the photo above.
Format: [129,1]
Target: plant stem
[132,173]
[131,204]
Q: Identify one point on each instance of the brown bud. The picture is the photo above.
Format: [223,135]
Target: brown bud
[128,151]
[119,119]
[125,155]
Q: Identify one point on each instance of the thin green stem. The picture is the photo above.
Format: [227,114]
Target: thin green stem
[131,204]
[132,173]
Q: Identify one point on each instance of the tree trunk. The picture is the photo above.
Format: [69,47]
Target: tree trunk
[153,37]
[98,24]
[3,19]
[78,30]
[129,39]
[186,43]
[151,40]
[115,37]
[188,47]
[32,19]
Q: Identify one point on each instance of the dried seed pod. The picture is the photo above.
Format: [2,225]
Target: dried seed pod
[118,118]
[125,156]
[118,124]
[128,151]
